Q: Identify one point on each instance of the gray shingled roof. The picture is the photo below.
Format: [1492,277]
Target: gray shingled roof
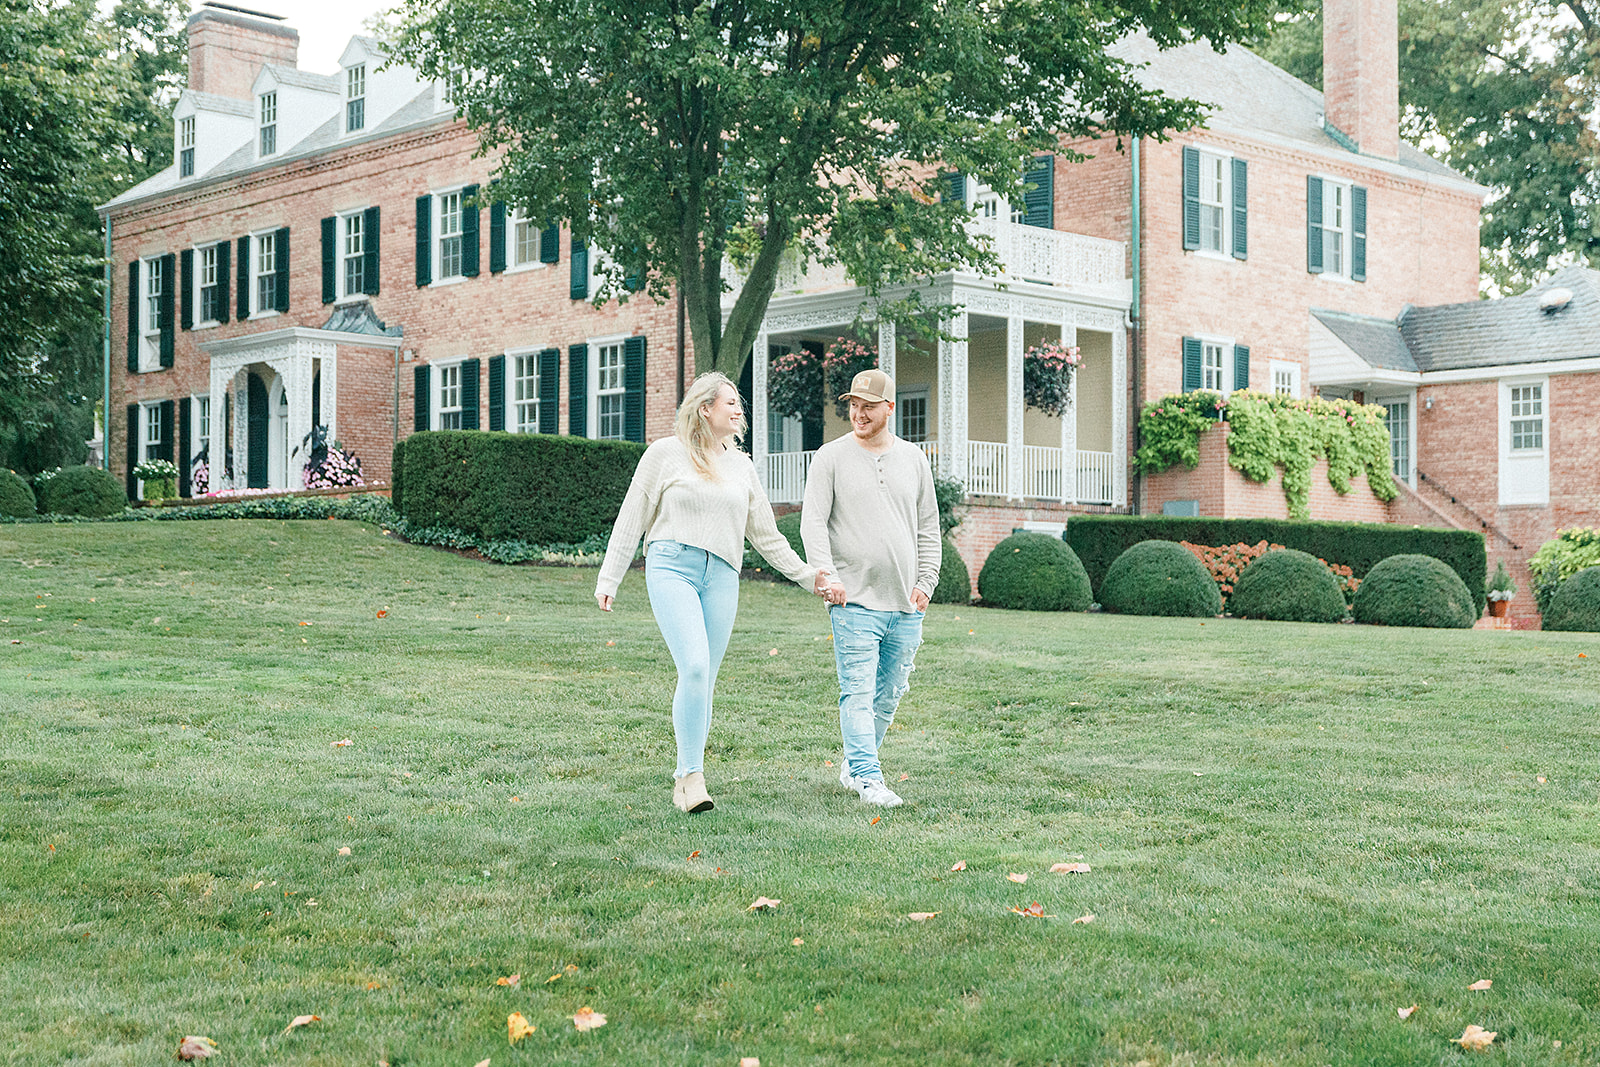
[1248,94]
[1378,341]
[304,79]
[1511,330]
[225,105]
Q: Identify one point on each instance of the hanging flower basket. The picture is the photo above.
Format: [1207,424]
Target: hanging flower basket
[795,386]
[1047,371]
[841,362]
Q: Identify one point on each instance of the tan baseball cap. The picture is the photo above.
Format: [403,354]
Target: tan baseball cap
[873,386]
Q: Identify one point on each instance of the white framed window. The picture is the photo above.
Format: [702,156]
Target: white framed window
[1527,418]
[264,273]
[1524,442]
[153,431]
[447,245]
[523,243]
[1397,420]
[523,391]
[445,94]
[911,415]
[1214,365]
[355,98]
[609,391]
[1336,228]
[352,254]
[988,204]
[153,286]
[209,303]
[447,396]
[1285,378]
[268,110]
[1216,194]
[202,422]
[186,147]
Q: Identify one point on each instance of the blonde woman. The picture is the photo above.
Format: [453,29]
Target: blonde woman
[695,498]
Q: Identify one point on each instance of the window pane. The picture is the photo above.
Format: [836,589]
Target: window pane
[1397,419]
[450,235]
[355,115]
[1211,364]
[525,244]
[611,417]
[525,394]
[354,259]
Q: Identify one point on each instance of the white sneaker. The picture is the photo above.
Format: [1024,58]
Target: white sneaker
[875,792]
[848,780]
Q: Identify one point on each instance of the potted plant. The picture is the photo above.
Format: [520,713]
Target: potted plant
[1501,590]
[160,478]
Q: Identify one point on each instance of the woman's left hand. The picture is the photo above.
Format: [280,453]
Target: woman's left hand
[603,600]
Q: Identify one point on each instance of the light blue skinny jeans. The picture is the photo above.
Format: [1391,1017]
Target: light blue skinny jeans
[694,596]
[873,651]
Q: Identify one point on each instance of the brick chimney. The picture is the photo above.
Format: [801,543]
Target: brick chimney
[229,45]
[1361,73]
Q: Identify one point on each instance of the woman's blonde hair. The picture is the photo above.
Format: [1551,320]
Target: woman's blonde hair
[693,429]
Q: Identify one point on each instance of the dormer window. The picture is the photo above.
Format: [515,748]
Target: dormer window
[269,123]
[186,148]
[355,98]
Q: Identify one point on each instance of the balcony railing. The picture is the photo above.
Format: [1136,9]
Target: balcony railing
[988,473]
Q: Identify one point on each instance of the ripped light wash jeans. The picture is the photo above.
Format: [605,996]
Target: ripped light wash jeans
[873,651]
[694,596]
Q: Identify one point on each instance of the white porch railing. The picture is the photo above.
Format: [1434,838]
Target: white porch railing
[786,476]
[1043,469]
[986,468]
[1095,481]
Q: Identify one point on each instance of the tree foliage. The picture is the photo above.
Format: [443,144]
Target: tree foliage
[681,136]
[1506,93]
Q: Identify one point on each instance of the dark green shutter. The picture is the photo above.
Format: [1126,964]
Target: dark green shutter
[169,266]
[1191,199]
[1241,208]
[224,276]
[550,243]
[424,240]
[469,394]
[168,417]
[133,449]
[133,317]
[185,451]
[330,259]
[549,390]
[370,227]
[497,392]
[469,232]
[420,385]
[1358,233]
[186,289]
[957,186]
[280,249]
[1313,224]
[633,353]
[580,270]
[497,237]
[578,390]
[1241,367]
[1039,202]
[244,279]
[1192,376]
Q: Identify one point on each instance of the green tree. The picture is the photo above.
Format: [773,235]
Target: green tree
[1507,93]
[682,136]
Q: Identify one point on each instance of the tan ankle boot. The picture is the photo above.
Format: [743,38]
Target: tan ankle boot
[689,793]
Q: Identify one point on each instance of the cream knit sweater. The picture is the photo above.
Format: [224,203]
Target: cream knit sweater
[671,501]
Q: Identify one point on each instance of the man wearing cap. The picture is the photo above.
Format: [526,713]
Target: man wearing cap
[871,520]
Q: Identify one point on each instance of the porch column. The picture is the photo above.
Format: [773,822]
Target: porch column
[759,416]
[217,443]
[886,347]
[330,392]
[953,399]
[1119,413]
[1069,426]
[1014,408]
[241,429]
[297,384]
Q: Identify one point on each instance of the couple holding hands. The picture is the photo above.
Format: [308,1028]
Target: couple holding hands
[870,525]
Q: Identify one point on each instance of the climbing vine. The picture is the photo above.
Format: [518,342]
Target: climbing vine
[1272,431]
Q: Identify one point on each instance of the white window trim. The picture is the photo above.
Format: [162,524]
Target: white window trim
[1225,253]
[340,257]
[257,312]
[146,409]
[1409,398]
[436,241]
[1526,457]
[1507,385]
[1347,244]
[911,393]
[262,125]
[512,267]
[181,128]
[149,324]
[348,99]
[436,389]
[196,304]
[201,436]
[1274,366]
[509,397]
[592,401]
[1226,344]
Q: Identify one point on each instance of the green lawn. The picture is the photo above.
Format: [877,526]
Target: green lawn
[1293,830]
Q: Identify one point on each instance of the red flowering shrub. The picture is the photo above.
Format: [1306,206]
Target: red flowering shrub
[1224,564]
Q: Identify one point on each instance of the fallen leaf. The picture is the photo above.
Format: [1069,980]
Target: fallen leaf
[876,819]
[305,624]
[482,1063]
[1405,1013]
[693,854]
[258,885]
[343,743]
[516,800]
[517,1027]
[374,985]
[1070,868]
[302,1020]
[1482,983]
[772,652]
[905,777]
[196,1048]
[344,851]
[383,613]
[921,916]
[797,942]
[825,763]
[961,865]
[552,978]
[763,904]
[749,1061]
[1017,878]
[1540,779]
[588,1019]
[1088,918]
[1032,911]
[1475,1036]
[570,969]
[610,643]
[514,981]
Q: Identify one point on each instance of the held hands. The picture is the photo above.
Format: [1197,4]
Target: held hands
[828,588]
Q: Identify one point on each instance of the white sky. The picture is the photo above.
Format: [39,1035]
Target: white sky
[325,26]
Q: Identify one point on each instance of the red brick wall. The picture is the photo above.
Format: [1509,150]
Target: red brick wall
[985,522]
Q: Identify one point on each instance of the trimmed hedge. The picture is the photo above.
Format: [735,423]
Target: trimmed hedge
[1576,605]
[539,488]
[1100,539]
[1414,590]
[955,581]
[1159,578]
[87,491]
[789,526]
[1287,585]
[1034,572]
[16,498]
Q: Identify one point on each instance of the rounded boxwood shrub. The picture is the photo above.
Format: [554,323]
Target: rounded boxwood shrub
[1576,605]
[1287,585]
[1034,572]
[83,491]
[16,499]
[1414,590]
[955,581]
[1159,578]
